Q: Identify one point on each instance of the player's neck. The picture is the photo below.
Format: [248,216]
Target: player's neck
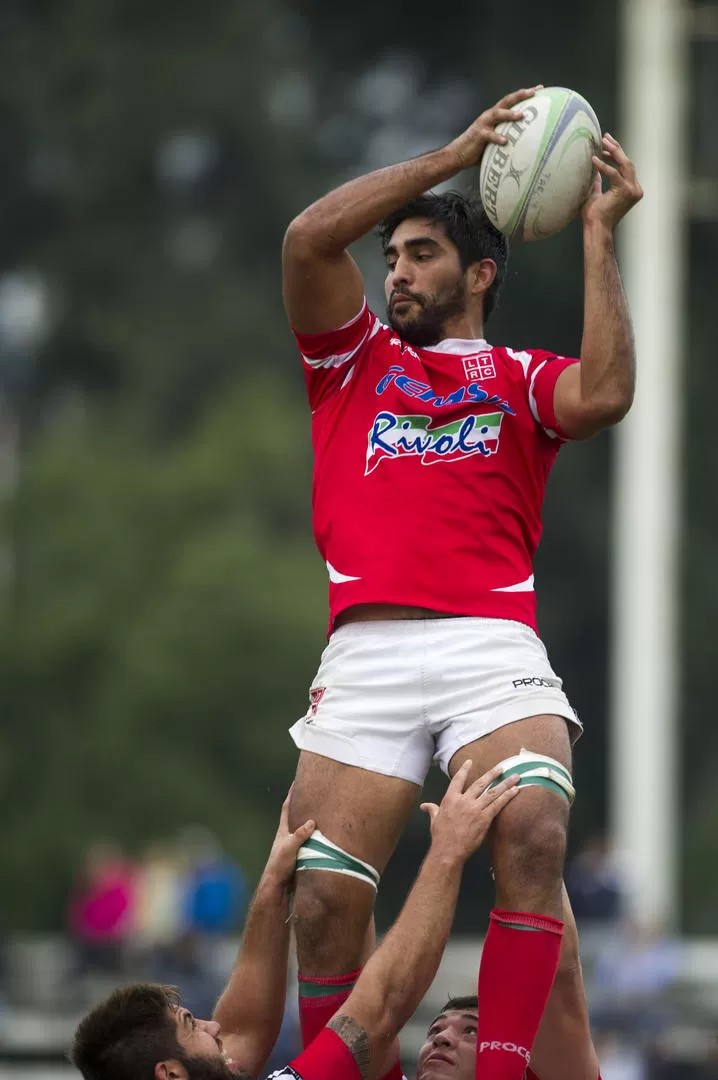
[464,327]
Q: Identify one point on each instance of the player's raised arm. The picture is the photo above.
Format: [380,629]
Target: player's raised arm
[322,285]
[251,1007]
[598,392]
[400,972]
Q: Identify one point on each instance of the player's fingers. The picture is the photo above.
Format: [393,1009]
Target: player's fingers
[505,116]
[604,168]
[518,95]
[458,780]
[431,809]
[500,802]
[303,832]
[500,789]
[480,785]
[615,149]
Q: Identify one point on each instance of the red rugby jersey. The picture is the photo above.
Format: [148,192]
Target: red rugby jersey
[326,1058]
[430,467]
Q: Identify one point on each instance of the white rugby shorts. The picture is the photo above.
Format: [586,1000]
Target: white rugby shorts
[392,696]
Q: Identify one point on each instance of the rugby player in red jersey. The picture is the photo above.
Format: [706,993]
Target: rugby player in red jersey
[432,451]
[142,1032]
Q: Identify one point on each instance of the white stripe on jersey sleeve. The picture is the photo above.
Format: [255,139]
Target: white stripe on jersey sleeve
[524,358]
[340,359]
[532,400]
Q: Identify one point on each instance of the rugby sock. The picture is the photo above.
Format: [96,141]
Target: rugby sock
[518,967]
[319,999]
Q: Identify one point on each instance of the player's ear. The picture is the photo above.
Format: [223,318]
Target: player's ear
[170,1070]
[481,276]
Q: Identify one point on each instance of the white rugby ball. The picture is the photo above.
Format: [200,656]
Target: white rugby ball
[538,181]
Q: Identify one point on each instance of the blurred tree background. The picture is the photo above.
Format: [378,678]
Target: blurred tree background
[162,607]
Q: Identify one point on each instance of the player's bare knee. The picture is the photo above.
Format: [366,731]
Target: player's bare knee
[330,918]
[532,843]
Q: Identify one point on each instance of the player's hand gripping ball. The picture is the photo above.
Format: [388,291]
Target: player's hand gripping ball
[538,180]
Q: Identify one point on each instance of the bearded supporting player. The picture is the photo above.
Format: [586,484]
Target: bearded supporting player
[142,1032]
[432,452]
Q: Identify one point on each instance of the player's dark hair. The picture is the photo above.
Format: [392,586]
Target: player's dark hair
[469,1003]
[125,1036]
[467,226]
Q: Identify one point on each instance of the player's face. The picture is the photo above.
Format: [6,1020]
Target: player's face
[449,1052]
[425,285]
[200,1041]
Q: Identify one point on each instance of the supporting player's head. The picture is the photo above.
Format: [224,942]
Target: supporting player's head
[449,1050]
[444,259]
[142,1032]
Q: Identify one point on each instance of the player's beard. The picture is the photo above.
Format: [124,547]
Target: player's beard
[425,326]
[204,1068]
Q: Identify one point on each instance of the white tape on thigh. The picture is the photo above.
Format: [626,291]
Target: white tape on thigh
[538,770]
[318,853]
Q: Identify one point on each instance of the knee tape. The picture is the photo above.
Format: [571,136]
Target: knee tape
[538,770]
[318,853]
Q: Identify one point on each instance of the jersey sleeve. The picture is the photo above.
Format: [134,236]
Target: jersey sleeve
[541,370]
[329,359]
[326,1058]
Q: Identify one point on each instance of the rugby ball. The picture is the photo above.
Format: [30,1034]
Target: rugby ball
[532,186]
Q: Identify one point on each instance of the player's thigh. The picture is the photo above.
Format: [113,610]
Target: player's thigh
[543,734]
[363,812]
[537,821]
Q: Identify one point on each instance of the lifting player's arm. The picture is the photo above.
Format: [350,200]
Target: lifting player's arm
[400,972]
[322,285]
[598,392]
[251,1007]
[563,1049]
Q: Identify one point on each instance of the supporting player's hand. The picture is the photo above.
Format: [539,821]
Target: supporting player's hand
[470,145]
[459,826]
[606,208]
[285,848]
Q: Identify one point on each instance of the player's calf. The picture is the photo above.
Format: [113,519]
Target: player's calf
[528,857]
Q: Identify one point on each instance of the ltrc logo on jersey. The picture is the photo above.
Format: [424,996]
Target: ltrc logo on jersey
[479,367]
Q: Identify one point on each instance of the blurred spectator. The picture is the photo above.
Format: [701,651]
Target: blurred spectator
[594,882]
[620,1059]
[159,904]
[684,1054]
[215,887]
[630,978]
[101,909]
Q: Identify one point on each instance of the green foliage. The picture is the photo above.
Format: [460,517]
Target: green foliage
[165,617]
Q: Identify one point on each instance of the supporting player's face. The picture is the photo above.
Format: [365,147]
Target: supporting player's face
[449,1052]
[425,285]
[205,1058]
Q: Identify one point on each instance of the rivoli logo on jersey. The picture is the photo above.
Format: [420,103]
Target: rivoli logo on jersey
[479,367]
[393,436]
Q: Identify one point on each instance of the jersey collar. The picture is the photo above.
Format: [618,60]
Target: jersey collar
[459,345]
